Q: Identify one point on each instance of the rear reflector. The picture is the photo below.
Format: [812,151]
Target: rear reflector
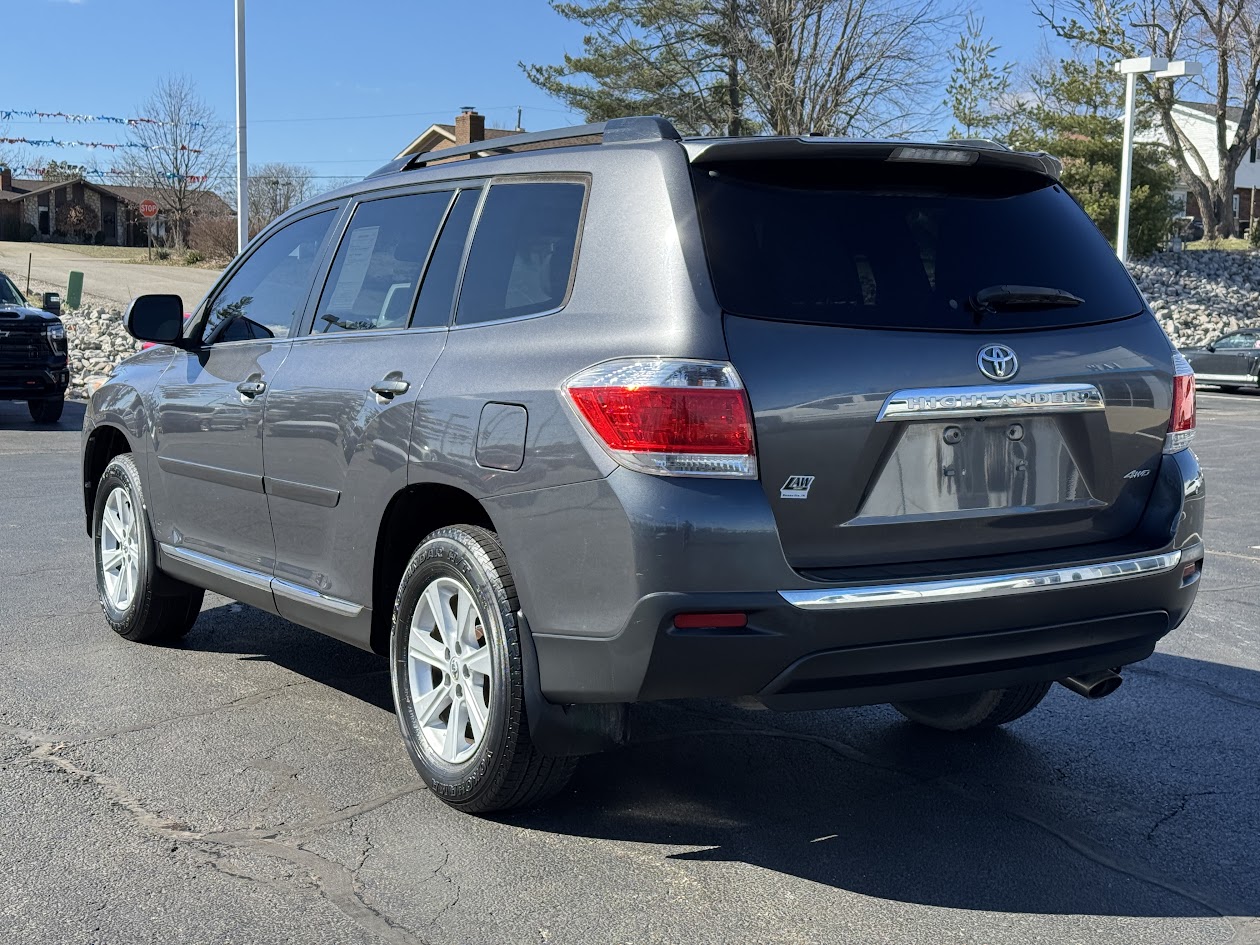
[1182,423]
[670,417]
[708,621]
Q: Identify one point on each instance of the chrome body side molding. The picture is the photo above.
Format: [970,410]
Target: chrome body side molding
[945,402]
[980,588]
[259,581]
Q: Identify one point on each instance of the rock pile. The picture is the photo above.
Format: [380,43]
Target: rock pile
[1200,294]
[97,342]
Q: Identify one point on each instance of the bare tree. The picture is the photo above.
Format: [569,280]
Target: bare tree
[867,67]
[735,66]
[180,153]
[276,188]
[1222,34]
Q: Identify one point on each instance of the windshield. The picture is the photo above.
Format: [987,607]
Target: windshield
[901,245]
[9,294]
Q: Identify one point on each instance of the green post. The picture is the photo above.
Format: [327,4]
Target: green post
[74,291]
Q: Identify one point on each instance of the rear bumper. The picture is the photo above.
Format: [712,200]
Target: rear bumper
[653,549]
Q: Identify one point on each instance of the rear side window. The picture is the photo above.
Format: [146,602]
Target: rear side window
[437,294]
[897,245]
[522,251]
[376,272]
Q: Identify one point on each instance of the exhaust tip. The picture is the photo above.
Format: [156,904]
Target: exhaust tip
[1093,685]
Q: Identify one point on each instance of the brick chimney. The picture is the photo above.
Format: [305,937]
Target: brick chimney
[469,126]
[6,179]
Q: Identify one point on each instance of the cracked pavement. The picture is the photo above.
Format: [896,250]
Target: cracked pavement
[250,785]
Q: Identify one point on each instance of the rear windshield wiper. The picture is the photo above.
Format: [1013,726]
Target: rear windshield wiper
[1021,296]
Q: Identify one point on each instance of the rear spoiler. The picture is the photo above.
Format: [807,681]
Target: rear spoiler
[714,150]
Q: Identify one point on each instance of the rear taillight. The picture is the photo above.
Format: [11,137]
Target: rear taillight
[1181,426]
[670,417]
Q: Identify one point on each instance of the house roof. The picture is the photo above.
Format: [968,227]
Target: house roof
[199,201]
[1232,112]
[202,201]
[443,136]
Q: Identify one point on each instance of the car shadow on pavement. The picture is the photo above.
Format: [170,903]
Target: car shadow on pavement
[1143,804]
[14,415]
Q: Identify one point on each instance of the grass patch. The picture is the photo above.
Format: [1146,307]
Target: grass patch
[97,252]
[1229,244]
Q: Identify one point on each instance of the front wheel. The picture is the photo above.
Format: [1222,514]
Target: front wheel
[140,603]
[47,409]
[458,679]
[972,711]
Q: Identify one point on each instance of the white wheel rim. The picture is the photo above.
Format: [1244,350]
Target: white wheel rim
[120,549]
[450,671]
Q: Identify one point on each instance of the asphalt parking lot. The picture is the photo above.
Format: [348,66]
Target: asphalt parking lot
[250,785]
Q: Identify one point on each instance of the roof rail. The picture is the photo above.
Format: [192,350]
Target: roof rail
[633,130]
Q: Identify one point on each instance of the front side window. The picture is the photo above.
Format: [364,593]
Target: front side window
[265,295]
[523,251]
[1243,339]
[378,266]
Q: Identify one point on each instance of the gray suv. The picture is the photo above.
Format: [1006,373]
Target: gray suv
[567,421]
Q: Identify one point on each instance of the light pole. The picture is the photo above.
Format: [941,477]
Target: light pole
[242,162]
[1159,68]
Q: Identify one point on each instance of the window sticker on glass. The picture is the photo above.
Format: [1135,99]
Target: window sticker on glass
[358,256]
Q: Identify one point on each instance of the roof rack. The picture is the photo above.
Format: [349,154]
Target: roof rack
[634,130]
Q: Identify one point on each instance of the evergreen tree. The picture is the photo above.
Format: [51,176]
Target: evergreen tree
[1075,112]
[978,84]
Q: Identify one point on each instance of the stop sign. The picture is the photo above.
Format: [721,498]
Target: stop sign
[148,208]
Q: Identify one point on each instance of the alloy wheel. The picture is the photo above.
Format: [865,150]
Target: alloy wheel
[450,669]
[120,549]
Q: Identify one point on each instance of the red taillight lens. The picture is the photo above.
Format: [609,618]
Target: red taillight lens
[1183,404]
[667,420]
[669,417]
[1182,423]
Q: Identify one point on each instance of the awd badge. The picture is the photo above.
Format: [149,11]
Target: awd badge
[796,487]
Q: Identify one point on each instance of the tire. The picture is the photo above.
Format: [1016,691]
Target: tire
[974,711]
[450,666]
[139,602]
[46,410]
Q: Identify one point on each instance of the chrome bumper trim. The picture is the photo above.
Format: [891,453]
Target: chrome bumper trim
[979,588]
[945,402]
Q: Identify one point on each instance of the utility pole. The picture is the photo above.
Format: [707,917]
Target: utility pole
[242,161]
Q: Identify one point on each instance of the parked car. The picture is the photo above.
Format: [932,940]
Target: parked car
[606,416]
[1230,362]
[34,364]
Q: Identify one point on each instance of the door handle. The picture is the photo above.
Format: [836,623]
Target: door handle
[251,389]
[389,387]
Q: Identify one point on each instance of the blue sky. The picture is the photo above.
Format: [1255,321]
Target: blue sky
[319,70]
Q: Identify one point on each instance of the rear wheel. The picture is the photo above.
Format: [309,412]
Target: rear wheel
[140,603]
[458,679]
[975,710]
[46,409]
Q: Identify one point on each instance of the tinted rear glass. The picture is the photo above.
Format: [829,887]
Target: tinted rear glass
[899,245]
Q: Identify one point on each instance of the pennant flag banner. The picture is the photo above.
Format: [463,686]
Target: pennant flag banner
[8,114]
[112,172]
[54,143]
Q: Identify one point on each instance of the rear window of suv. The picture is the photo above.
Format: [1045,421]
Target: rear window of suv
[876,244]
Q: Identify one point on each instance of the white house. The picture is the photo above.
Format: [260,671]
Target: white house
[1198,121]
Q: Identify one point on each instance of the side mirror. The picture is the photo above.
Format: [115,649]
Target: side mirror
[1211,346]
[52,303]
[156,318]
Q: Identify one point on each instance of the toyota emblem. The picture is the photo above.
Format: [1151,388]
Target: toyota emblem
[997,362]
